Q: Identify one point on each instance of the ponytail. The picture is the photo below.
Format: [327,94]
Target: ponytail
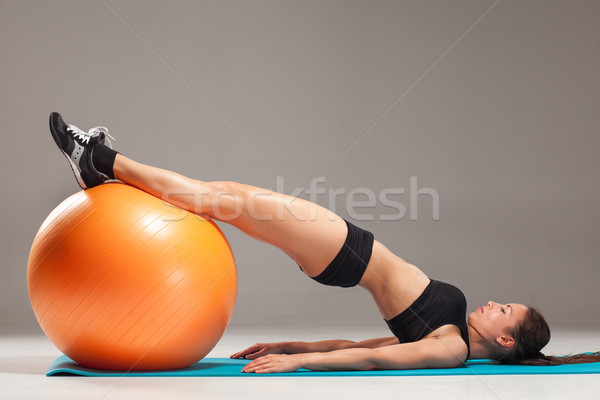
[581,358]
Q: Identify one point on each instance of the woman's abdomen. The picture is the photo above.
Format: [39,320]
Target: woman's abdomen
[394,283]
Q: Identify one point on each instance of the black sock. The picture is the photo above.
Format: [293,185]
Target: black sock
[103,158]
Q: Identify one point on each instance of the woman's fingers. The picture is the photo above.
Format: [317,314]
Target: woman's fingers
[273,363]
[240,354]
[244,352]
[256,364]
[255,355]
[258,350]
[249,350]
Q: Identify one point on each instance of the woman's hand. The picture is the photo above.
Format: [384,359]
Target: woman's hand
[274,363]
[259,350]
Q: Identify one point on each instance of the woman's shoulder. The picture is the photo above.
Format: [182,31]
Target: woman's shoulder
[450,336]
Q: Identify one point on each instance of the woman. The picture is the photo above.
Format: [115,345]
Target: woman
[426,316]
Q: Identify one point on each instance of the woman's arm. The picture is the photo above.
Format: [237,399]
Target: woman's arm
[372,343]
[445,352]
[448,352]
[314,347]
[330,345]
[262,349]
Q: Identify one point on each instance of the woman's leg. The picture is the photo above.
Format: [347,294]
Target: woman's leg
[312,235]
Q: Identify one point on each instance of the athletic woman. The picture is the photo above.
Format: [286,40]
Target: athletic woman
[426,316]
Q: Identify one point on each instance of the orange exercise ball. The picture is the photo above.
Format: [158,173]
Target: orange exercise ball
[119,279]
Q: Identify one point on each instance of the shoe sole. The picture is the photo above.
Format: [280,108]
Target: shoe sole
[71,163]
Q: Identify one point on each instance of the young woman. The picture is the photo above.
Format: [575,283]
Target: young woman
[426,316]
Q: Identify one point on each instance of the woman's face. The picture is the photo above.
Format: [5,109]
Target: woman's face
[494,321]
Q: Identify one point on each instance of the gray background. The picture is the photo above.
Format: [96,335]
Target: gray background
[495,105]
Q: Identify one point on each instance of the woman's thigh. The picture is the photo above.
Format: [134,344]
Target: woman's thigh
[310,234]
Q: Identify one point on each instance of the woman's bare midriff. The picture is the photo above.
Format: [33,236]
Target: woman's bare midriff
[394,283]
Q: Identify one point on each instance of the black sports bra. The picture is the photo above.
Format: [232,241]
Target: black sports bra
[439,304]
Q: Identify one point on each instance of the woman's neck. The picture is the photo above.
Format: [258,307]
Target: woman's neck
[478,346]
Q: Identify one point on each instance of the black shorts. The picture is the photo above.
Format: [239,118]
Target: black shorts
[350,263]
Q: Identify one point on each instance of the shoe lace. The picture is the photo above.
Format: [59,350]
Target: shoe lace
[86,136]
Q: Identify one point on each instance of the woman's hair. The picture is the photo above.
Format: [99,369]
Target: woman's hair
[531,335]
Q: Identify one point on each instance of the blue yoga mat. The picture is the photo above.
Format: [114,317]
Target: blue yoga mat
[229,367]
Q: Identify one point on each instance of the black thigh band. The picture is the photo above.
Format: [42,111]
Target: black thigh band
[349,265]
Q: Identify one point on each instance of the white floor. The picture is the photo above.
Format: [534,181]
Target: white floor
[25,357]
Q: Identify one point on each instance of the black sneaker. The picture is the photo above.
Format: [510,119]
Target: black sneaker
[78,146]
